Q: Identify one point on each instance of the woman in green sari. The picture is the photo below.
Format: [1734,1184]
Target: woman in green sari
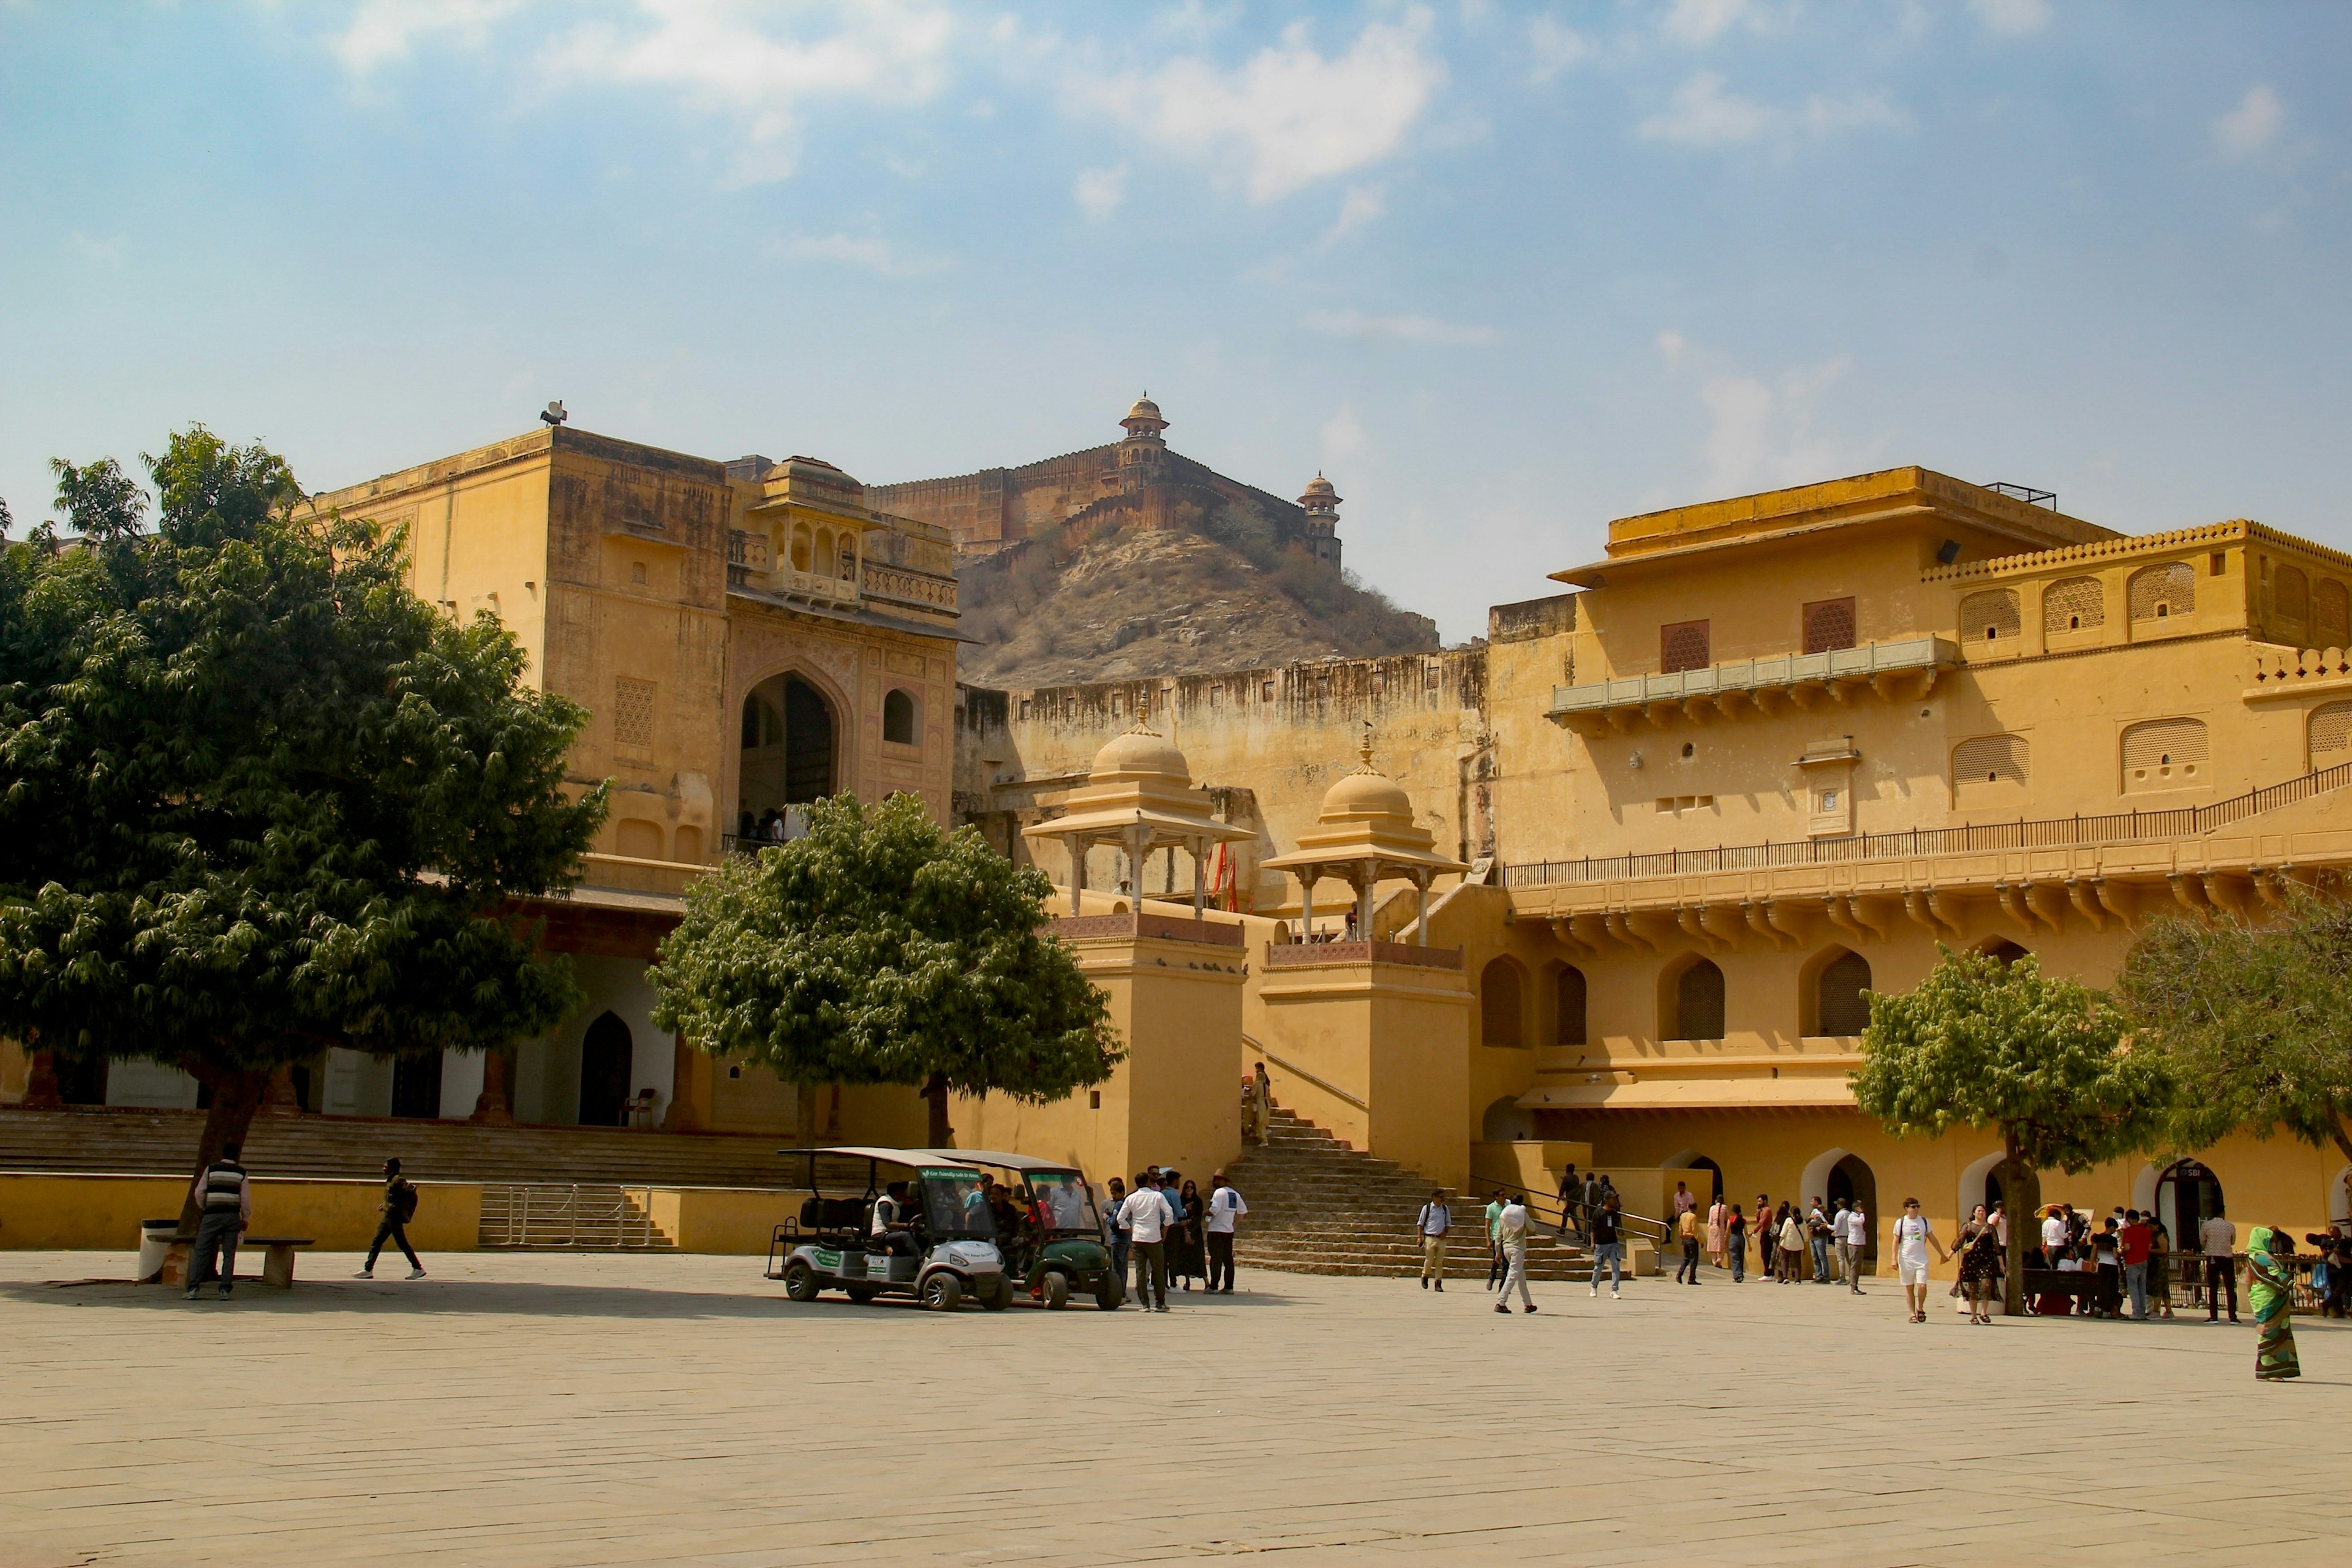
[2270,1262]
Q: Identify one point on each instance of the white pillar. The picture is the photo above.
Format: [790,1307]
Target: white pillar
[1200,888]
[1420,923]
[1368,872]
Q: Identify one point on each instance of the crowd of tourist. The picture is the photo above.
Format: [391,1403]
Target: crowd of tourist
[1170,1235]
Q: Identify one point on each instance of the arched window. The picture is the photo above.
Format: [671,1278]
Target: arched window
[606,1052]
[799,549]
[1568,1006]
[1990,617]
[2160,593]
[898,718]
[1499,1012]
[1682,646]
[848,558]
[1829,625]
[2002,951]
[2291,593]
[1698,1003]
[2073,605]
[2331,615]
[2331,735]
[2164,754]
[1988,759]
[1840,1007]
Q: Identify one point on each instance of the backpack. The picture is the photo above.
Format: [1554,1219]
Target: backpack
[403,1204]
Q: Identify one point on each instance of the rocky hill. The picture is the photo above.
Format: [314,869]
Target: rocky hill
[1164,602]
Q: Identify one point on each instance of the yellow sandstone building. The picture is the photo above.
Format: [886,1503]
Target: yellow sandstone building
[1608,887]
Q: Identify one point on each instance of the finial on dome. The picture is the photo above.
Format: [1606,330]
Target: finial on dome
[1364,752]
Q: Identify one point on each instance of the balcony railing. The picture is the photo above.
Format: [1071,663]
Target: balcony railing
[2044,833]
[1297,954]
[1859,664]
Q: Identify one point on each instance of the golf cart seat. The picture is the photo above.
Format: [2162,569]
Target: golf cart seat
[834,1214]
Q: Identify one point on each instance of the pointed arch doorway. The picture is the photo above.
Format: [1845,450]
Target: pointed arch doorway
[790,753]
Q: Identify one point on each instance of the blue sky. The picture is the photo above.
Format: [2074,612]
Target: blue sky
[1504,271]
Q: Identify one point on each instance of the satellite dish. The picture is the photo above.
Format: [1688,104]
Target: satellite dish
[554,414]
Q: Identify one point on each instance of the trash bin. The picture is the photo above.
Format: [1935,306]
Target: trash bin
[154,1242]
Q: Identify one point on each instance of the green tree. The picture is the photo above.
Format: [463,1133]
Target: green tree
[258,799]
[2256,1025]
[876,950]
[2043,1062]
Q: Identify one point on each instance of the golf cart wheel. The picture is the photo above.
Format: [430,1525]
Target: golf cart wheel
[996,1301]
[942,1292]
[1057,1291]
[800,1281]
[1110,1296]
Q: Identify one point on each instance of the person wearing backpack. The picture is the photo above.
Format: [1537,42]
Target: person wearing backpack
[399,1209]
[1435,1219]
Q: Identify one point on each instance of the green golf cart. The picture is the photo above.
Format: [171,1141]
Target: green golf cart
[1048,1229]
[939,1249]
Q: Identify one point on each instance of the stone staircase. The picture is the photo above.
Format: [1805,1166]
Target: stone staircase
[1317,1206]
[164,1142]
[580,1217]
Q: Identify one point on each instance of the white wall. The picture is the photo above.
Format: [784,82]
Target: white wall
[151,1085]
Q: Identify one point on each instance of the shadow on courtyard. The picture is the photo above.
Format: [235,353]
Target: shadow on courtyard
[758,1299]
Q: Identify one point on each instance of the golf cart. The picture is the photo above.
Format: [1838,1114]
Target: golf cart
[941,1248]
[1054,1246]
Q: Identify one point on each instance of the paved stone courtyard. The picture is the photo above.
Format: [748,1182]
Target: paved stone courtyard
[548,1409]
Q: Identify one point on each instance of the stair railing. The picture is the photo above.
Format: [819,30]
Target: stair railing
[1295,1070]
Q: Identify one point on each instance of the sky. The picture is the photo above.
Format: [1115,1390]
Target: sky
[1502,271]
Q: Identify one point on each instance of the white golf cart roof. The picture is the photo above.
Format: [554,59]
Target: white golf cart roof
[893,1156]
[996,1157]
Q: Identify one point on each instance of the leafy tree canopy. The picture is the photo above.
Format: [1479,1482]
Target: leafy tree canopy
[257,798]
[1983,1044]
[2256,1025]
[876,950]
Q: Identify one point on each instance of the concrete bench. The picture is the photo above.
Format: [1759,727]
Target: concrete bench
[278,1258]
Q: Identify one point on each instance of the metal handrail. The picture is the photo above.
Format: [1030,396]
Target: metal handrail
[1297,1071]
[2044,833]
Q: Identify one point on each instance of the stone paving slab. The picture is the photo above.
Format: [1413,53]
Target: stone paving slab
[528,1409]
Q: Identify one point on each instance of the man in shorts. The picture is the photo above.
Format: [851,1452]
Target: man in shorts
[1913,1237]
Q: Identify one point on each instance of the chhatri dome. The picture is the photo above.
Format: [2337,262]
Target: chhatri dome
[1364,834]
[1143,421]
[1139,796]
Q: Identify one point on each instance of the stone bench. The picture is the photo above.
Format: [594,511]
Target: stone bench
[277,1257]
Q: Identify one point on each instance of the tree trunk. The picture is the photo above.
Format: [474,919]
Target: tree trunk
[939,1135]
[2021,1195]
[804,1128]
[41,1090]
[2343,1140]
[490,1109]
[237,1094]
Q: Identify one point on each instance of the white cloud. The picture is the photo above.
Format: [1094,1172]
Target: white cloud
[383,31]
[1552,47]
[1760,434]
[1288,117]
[871,252]
[2252,126]
[1672,346]
[2012,17]
[1098,192]
[1702,114]
[726,57]
[1362,204]
[1344,435]
[1700,22]
[1398,329]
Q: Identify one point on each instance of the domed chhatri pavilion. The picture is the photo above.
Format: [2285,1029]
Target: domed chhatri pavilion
[1139,796]
[1365,835]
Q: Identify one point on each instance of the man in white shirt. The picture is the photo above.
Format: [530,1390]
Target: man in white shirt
[2054,1238]
[1852,1241]
[1226,1206]
[2219,1238]
[1511,1232]
[1146,1217]
[1436,1218]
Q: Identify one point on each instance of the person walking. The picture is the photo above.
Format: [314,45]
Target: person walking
[2270,1287]
[1115,1235]
[1435,1219]
[1496,1265]
[1571,1192]
[1264,1103]
[1719,1224]
[1686,1229]
[1226,1206]
[2218,1239]
[224,1197]
[1979,1249]
[1608,1247]
[1913,1237]
[1734,1242]
[1149,1219]
[399,1209]
[1512,1237]
[1853,1243]
[1592,1194]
